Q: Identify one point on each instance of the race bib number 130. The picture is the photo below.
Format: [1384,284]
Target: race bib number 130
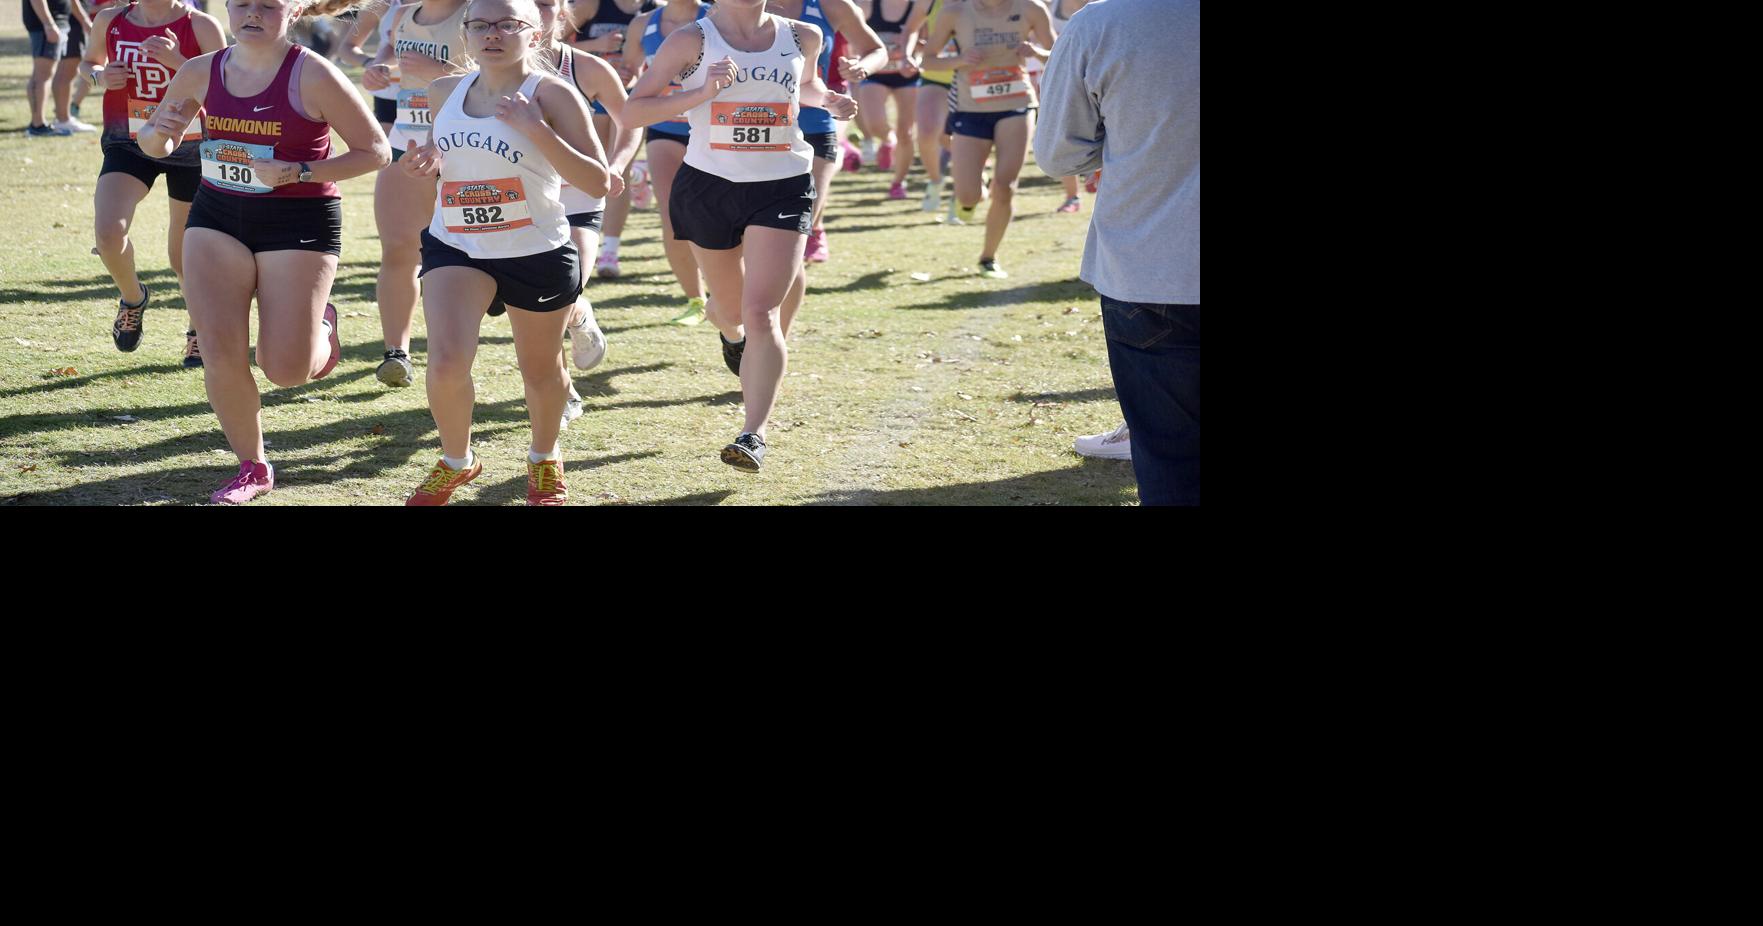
[747,127]
[476,207]
[227,164]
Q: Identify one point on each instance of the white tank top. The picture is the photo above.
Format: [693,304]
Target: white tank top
[386,18]
[442,41]
[498,194]
[576,201]
[748,133]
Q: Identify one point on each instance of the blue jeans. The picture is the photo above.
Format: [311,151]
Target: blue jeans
[1154,352]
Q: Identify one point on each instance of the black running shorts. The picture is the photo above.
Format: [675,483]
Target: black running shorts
[542,282]
[713,213]
[277,223]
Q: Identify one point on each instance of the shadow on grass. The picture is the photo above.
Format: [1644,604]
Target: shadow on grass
[1008,296]
[1081,395]
[875,279]
[162,282]
[1100,480]
[701,498]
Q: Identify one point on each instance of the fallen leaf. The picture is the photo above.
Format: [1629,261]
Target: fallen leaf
[64,371]
[917,388]
[1017,338]
[965,396]
[1071,310]
[22,342]
[921,277]
[28,469]
[377,429]
[354,314]
[905,443]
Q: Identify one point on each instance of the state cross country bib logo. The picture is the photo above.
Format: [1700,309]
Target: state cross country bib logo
[477,207]
[748,127]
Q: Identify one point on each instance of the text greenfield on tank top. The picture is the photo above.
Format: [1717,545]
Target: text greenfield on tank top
[498,196]
[1000,84]
[748,133]
[127,110]
[442,41]
[575,200]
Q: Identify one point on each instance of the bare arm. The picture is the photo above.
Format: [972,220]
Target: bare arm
[869,55]
[177,108]
[367,21]
[647,105]
[330,92]
[51,31]
[604,85]
[1041,26]
[814,90]
[557,123]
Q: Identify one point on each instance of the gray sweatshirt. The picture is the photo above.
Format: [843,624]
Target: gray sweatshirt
[1122,92]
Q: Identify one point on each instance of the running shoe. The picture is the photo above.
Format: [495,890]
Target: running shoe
[396,369]
[544,484]
[963,214]
[897,191]
[853,157]
[606,267]
[192,352]
[642,194]
[884,159]
[72,125]
[746,453]
[693,314]
[1071,205]
[731,353]
[869,149]
[1094,181]
[951,218]
[988,267]
[73,109]
[253,480]
[933,196]
[126,330]
[441,483]
[587,343]
[572,407]
[815,251]
[45,131]
[1113,445]
[330,323]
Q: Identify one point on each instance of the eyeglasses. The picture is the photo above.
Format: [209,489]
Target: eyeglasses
[506,26]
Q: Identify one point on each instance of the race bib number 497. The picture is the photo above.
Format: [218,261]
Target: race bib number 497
[999,84]
[227,164]
[477,207]
[748,127]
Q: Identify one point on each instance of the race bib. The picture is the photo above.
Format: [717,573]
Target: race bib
[477,207]
[227,164]
[896,45]
[998,83]
[141,112]
[413,111]
[749,127]
[596,30]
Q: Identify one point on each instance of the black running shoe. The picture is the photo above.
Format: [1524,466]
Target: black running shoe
[731,353]
[126,330]
[395,370]
[192,352]
[746,453]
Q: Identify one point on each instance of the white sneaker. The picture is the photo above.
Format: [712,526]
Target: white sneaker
[572,408]
[75,125]
[869,151]
[933,197]
[1114,445]
[587,343]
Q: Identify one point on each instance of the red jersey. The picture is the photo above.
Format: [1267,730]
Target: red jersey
[269,126]
[127,110]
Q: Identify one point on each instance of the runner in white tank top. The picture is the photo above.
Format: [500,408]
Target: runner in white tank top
[745,180]
[504,140]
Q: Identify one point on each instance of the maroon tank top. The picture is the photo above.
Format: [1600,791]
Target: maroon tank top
[272,124]
[127,110]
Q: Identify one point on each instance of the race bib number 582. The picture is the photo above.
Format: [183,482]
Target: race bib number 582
[477,207]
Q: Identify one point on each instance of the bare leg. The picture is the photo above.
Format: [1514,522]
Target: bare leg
[223,275]
[932,107]
[292,289]
[453,306]
[1012,141]
[174,244]
[968,164]
[665,158]
[541,371]
[113,208]
[65,71]
[402,208]
[906,113]
[36,88]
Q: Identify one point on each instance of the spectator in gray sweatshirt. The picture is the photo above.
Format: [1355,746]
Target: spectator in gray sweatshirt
[1122,93]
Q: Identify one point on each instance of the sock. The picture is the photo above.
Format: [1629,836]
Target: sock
[610,245]
[136,305]
[458,465]
[533,456]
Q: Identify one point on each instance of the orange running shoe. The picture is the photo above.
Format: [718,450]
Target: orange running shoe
[544,483]
[441,481]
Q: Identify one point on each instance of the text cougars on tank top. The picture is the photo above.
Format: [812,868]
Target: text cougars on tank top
[575,200]
[442,41]
[269,126]
[498,196]
[1001,83]
[652,39]
[748,132]
[127,109]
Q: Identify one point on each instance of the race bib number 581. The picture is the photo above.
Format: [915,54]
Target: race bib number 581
[747,127]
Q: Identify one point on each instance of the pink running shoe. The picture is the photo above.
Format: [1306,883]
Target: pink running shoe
[897,191]
[330,316]
[606,268]
[816,251]
[853,157]
[253,480]
[884,158]
[1070,205]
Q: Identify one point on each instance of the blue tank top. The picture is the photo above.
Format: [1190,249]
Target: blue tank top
[652,39]
[813,119]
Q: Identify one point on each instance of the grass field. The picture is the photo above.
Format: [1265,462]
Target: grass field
[956,391]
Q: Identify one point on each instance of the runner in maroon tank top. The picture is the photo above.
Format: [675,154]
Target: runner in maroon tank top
[135,50]
[267,218]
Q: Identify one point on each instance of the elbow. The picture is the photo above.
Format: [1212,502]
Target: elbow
[382,152]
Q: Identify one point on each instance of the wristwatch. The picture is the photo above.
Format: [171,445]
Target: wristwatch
[305,173]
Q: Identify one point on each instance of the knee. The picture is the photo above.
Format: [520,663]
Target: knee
[284,371]
[113,235]
[758,318]
[400,250]
[548,376]
[1003,188]
[447,366]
